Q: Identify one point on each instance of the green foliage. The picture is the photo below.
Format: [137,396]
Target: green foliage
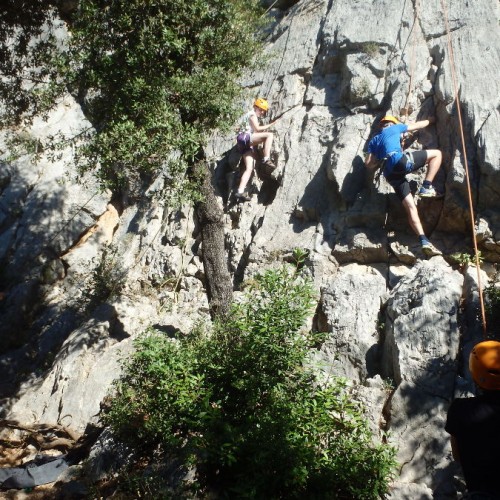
[22,143]
[107,279]
[299,256]
[360,89]
[155,78]
[492,309]
[381,327]
[30,61]
[465,259]
[370,48]
[241,404]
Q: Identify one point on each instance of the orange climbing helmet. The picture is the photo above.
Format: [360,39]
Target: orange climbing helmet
[484,364]
[261,103]
[389,118]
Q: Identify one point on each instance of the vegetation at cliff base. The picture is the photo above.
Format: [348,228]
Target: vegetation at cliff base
[241,404]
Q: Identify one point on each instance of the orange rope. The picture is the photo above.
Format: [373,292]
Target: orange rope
[454,78]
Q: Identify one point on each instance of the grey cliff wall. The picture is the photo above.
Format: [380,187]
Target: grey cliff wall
[399,326]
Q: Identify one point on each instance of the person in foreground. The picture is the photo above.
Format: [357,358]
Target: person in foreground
[474,425]
[386,147]
[252,133]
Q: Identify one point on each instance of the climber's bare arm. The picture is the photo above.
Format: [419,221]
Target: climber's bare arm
[257,127]
[420,124]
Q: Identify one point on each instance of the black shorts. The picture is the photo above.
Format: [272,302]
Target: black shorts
[409,162]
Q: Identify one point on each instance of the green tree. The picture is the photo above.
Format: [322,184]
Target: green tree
[30,59]
[243,406]
[155,76]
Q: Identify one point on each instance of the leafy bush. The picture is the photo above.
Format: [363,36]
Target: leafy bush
[242,405]
[106,280]
[466,259]
[29,59]
[370,48]
[492,309]
[155,77]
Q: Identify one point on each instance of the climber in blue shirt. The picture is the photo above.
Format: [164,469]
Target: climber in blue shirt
[386,147]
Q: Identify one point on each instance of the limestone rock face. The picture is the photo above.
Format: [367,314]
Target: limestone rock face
[81,278]
[420,356]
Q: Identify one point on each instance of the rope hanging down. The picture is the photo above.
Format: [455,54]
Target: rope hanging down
[472,219]
[405,110]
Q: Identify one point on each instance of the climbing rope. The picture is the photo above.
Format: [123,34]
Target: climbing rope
[464,152]
[269,8]
[405,109]
[293,14]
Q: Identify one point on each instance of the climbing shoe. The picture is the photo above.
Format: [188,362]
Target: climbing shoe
[268,170]
[242,196]
[429,192]
[269,164]
[430,250]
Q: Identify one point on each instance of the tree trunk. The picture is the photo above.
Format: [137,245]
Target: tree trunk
[210,216]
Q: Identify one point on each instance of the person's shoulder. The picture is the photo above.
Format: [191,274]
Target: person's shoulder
[246,117]
[465,404]
[462,401]
[460,406]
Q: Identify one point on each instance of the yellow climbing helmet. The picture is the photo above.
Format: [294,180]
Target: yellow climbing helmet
[389,118]
[261,103]
[484,364]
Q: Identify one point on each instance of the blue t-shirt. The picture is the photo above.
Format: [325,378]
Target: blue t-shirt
[387,141]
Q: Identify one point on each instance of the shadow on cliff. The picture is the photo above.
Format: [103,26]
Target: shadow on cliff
[343,211]
[35,317]
[318,203]
[227,173]
[32,236]
[69,331]
[422,405]
[37,229]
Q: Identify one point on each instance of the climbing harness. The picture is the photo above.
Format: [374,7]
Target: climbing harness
[466,164]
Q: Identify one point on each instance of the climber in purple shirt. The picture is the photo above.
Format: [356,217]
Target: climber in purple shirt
[386,147]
